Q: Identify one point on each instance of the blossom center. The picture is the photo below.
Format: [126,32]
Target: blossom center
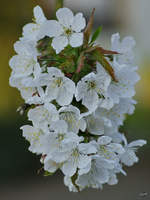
[58,82]
[60,137]
[75,153]
[105,152]
[91,85]
[67,31]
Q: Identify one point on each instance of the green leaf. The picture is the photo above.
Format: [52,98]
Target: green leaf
[46,173]
[96,34]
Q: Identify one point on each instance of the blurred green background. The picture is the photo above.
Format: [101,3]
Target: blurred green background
[18,167]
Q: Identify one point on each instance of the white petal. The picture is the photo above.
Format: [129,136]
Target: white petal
[128,43]
[76,39]
[78,22]
[59,156]
[59,43]
[129,158]
[103,140]
[90,100]
[66,93]
[88,148]
[30,31]
[115,40]
[51,92]
[50,166]
[106,164]
[80,90]
[84,170]
[113,180]
[59,126]
[65,17]
[27,93]
[117,148]
[64,97]
[137,143]
[37,70]
[54,72]
[51,28]
[39,15]
[82,124]
[83,161]
[95,125]
[69,167]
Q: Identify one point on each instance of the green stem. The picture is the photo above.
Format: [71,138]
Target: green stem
[59,4]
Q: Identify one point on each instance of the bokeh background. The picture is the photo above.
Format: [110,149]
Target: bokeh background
[19,179]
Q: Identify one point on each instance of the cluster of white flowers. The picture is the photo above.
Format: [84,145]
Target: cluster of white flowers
[75,121]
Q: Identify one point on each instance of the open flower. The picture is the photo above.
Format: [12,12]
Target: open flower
[124,47]
[127,78]
[79,159]
[92,89]
[33,135]
[67,30]
[59,143]
[25,62]
[59,87]
[129,157]
[31,30]
[71,115]
[42,116]
[98,174]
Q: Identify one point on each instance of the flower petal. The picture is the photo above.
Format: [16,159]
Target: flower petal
[76,39]
[104,140]
[59,43]
[69,167]
[65,17]
[39,15]
[51,28]
[78,22]
[50,166]
[137,143]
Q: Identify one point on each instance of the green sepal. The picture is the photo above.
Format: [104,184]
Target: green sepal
[46,173]
[73,179]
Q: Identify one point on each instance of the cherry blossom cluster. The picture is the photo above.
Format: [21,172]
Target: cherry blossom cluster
[76,95]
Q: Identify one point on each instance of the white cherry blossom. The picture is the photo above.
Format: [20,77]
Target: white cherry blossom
[124,48]
[95,125]
[79,159]
[50,165]
[92,89]
[59,87]
[25,63]
[43,115]
[98,174]
[116,114]
[127,77]
[67,30]
[71,115]
[31,31]
[59,142]
[33,135]
[108,149]
[129,157]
